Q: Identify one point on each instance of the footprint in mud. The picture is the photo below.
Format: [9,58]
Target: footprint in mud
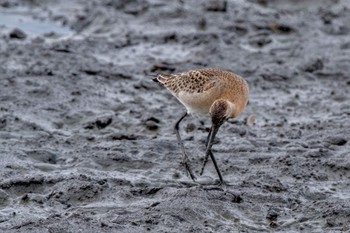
[4,198]
[336,29]
[312,65]
[83,189]
[44,156]
[99,123]
[42,92]
[257,43]
[260,42]
[72,118]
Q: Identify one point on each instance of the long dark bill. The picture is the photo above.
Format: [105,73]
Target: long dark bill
[211,136]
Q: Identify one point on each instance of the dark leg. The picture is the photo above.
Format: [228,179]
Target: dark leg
[208,152]
[185,159]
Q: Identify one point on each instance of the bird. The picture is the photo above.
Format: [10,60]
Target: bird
[220,93]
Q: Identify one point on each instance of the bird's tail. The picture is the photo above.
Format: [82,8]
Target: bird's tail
[155,79]
[160,78]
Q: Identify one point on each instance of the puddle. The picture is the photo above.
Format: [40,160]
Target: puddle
[301,4]
[32,27]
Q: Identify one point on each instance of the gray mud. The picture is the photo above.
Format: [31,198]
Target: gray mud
[86,139]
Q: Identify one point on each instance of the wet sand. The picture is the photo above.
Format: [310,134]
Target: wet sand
[86,138]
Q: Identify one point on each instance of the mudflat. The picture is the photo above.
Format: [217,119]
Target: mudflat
[87,141]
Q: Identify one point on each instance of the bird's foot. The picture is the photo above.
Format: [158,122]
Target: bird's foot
[222,183]
[189,170]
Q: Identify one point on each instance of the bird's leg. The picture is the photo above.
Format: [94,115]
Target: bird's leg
[185,159]
[212,133]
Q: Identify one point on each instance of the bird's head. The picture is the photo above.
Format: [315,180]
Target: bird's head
[221,110]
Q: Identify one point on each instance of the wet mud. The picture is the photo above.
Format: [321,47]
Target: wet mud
[86,137]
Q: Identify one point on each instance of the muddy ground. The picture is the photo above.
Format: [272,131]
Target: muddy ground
[86,138]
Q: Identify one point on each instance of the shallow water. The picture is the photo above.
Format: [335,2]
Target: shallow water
[32,27]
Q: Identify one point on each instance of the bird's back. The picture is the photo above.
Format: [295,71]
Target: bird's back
[198,89]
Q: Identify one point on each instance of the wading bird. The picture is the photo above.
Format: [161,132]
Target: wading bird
[218,92]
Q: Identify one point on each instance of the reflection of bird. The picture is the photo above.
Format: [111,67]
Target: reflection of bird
[220,93]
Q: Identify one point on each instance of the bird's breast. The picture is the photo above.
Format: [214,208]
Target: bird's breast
[197,103]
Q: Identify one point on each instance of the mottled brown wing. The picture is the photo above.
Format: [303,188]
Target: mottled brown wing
[195,81]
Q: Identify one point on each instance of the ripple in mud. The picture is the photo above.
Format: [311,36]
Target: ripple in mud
[22,186]
[99,123]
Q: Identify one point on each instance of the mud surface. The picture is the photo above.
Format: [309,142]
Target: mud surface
[86,139]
